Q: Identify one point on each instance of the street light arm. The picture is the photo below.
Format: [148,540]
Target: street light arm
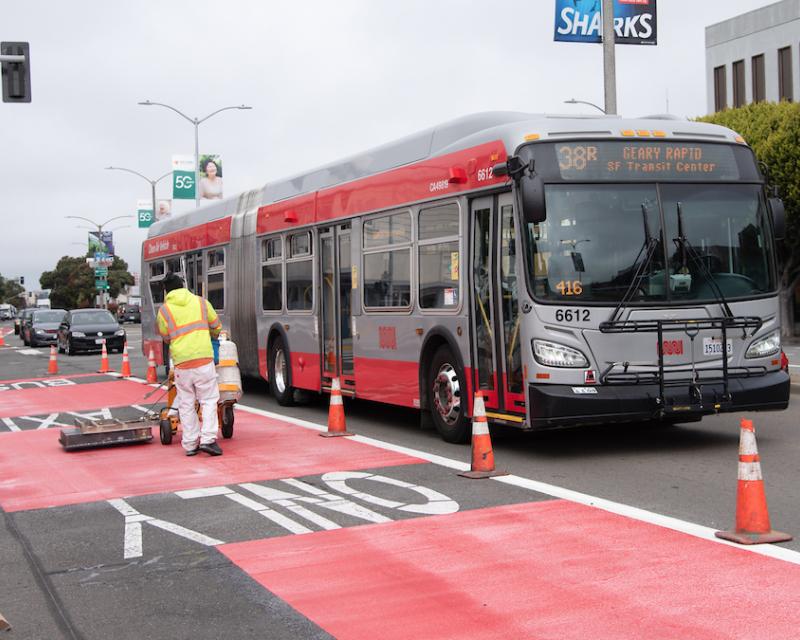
[148,103]
[223,109]
[591,104]
[157,180]
[82,218]
[100,226]
[136,173]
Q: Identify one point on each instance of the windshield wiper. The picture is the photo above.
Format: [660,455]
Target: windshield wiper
[686,248]
[649,248]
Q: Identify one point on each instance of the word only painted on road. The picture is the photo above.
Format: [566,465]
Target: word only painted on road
[296,512]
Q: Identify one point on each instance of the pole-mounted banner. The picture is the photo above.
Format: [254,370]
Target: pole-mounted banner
[183,178]
[635,21]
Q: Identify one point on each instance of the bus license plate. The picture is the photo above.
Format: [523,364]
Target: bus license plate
[713,347]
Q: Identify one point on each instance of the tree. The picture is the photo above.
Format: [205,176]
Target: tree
[10,292]
[71,283]
[773,132]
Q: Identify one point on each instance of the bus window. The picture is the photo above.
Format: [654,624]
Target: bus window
[387,261]
[388,230]
[439,258]
[174,265]
[271,274]
[299,273]
[156,269]
[216,278]
[510,301]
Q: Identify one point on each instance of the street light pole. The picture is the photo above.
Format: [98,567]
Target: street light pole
[99,228]
[153,183]
[196,122]
[609,58]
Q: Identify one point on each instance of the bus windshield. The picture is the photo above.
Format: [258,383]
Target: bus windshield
[700,237]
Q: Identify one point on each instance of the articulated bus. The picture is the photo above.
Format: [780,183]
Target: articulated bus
[575,270]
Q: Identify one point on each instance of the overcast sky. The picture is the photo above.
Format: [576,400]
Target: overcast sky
[325,78]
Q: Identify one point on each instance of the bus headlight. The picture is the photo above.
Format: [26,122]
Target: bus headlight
[766,346]
[552,354]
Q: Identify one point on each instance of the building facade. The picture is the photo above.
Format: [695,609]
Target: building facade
[754,56]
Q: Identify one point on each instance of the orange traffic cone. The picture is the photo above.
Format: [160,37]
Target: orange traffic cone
[752,518]
[336,425]
[103,360]
[52,367]
[152,375]
[2,339]
[482,454]
[125,372]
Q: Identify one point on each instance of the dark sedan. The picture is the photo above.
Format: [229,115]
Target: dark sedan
[42,327]
[131,313]
[87,329]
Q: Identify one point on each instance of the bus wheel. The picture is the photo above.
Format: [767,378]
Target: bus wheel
[279,373]
[447,389]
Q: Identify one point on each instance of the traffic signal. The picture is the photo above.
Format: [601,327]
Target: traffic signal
[22,279]
[16,75]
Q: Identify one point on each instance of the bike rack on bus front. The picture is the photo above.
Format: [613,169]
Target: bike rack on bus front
[697,377]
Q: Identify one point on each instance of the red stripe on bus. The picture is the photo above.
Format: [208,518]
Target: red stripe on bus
[392,381]
[197,237]
[420,181]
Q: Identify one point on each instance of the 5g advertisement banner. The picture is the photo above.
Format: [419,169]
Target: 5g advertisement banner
[581,21]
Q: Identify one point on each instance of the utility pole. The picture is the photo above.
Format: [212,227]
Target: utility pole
[609,59]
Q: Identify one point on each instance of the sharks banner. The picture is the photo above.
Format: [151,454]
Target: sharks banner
[581,21]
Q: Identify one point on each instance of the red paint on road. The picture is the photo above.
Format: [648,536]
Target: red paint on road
[73,397]
[38,473]
[540,570]
[51,378]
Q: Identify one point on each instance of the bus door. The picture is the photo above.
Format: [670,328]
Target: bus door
[336,308]
[497,364]
[194,273]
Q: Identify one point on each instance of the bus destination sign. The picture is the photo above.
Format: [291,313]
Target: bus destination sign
[647,161]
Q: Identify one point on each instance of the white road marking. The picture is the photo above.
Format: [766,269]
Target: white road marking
[132,544]
[49,421]
[10,424]
[30,352]
[690,528]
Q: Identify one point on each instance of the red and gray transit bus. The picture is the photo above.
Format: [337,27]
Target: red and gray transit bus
[576,270]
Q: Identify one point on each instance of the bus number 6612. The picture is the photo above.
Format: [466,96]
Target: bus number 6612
[572,315]
[485,174]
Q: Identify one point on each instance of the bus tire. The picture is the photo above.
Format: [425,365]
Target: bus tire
[448,397]
[279,380]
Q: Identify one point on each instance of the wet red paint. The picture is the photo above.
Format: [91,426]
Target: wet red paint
[540,570]
[73,397]
[38,473]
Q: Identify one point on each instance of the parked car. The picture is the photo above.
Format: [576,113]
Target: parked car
[42,328]
[87,329]
[19,320]
[130,313]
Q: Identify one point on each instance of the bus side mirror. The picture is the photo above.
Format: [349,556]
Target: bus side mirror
[532,197]
[778,218]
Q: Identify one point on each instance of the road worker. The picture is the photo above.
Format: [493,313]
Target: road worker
[188,322]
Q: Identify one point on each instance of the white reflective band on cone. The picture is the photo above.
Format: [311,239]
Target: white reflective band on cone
[480,429]
[747,443]
[750,471]
[336,399]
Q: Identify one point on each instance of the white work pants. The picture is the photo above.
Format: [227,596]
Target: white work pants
[198,384]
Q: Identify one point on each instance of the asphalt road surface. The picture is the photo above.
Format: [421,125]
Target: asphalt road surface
[141,542]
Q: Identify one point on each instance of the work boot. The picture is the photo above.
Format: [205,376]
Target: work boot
[193,452]
[212,449]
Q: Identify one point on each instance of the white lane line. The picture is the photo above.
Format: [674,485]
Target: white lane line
[30,352]
[690,528]
[10,424]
